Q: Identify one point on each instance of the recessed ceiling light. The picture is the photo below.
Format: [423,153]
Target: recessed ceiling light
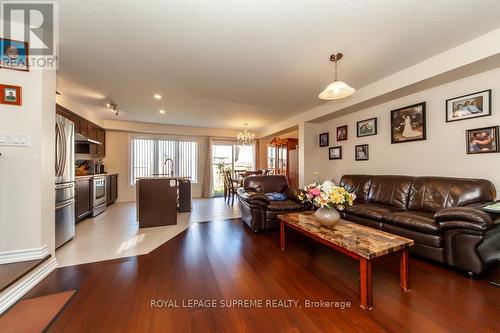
[157,96]
[162,111]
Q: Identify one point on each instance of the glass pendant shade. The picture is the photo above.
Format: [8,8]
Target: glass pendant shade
[336,90]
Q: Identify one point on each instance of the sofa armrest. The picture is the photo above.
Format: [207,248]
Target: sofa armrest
[465,218]
[293,194]
[253,197]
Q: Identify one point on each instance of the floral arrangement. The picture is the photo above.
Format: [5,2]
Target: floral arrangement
[327,195]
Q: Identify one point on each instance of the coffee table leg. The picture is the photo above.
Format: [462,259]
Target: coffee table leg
[282,235]
[403,272]
[365,283]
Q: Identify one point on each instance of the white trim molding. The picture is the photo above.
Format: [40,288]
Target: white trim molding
[9,257]
[12,294]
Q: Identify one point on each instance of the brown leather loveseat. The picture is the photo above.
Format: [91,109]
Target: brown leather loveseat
[257,210]
[439,214]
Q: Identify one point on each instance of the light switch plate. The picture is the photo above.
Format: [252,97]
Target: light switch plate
[15,139]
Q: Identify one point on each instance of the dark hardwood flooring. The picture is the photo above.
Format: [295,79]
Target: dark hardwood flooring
[11,273]
[224,260]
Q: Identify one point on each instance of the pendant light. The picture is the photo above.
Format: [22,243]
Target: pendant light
[337,89]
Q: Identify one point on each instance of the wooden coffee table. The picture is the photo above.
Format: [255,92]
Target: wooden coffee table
[357,241]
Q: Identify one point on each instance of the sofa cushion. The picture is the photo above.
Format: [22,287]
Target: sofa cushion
[415,220]
[357,184]
[391,190]
[432,194]
[434,240]
[265,184]
[285,205]
[361,220]
[371,210]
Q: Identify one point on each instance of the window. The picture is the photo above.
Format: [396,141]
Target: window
[233,157]
[149,156]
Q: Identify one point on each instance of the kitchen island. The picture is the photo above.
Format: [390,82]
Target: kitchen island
[159,198]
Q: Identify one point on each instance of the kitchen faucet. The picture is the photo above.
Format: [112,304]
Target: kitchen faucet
[172,166]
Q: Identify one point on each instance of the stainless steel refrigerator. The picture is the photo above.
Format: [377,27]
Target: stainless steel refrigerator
[65,180]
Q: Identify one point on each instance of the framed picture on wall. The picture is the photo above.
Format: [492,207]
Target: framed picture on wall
[367,127]
[14,54]
[342,134]
[482,140]
[324,140]
[335,153]
[361,152]
[469,106]
[408,124]
[10,95]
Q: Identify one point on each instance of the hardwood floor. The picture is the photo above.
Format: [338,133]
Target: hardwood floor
[116,233]
[11,273]
[225,261]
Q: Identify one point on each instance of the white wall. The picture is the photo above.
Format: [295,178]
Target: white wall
[442,154]
[27,173]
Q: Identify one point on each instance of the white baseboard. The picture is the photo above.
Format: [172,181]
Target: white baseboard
[21,287]
[9,257]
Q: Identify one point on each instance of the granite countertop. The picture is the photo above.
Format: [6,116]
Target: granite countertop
[96,174]
[164,177]
[84,176]
[366,242]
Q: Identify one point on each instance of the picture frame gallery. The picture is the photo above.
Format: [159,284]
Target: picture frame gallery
[409,124]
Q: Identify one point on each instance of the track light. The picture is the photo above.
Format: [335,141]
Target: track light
[113,106]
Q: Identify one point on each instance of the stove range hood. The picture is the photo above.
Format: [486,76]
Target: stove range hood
[80,138]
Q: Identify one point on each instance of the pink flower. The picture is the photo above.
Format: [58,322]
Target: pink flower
[315,191]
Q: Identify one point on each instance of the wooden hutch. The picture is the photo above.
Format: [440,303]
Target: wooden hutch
[283,159]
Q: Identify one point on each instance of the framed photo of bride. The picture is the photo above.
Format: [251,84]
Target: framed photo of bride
[408,124]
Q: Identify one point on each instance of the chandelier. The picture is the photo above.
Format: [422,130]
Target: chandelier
[337,89]
[245,138]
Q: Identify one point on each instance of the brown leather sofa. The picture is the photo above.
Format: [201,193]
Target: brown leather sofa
[439,214]
[260,213]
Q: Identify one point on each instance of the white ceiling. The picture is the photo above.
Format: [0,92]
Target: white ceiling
[222,63]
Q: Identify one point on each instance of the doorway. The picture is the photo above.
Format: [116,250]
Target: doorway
[233,157]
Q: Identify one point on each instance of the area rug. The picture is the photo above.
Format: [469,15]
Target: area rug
[33,315]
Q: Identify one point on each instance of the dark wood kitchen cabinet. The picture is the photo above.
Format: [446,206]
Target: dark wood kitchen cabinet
[87,129]
[92,130]
[111,188]
[101,137]
[83,205]
[84,127]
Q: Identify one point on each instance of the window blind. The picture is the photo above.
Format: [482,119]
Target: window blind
[149,156]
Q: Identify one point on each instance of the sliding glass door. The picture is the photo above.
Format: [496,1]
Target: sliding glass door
[226,155]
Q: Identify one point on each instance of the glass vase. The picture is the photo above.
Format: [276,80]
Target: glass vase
[328,217]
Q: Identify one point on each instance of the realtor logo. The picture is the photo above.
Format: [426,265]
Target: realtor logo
[34,23]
